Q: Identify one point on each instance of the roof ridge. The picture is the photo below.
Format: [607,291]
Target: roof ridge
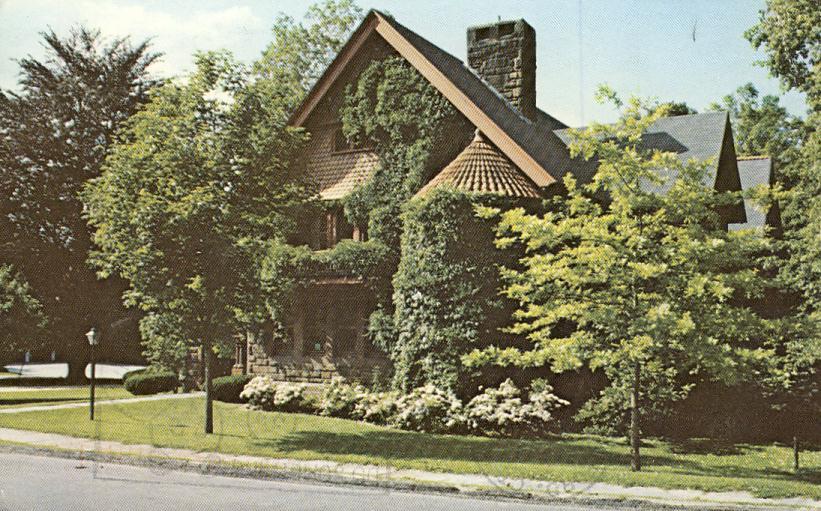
[754,157]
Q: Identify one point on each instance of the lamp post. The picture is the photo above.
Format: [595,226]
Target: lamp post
[93,340]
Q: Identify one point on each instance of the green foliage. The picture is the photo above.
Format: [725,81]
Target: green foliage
[649,284]
[151,382]
[21,315]
[761,126]
[191,192]
[790,33]
[228,388]
[395,107]
[300,52]
[285,267]
[445,291]
[56,131]
[406,118]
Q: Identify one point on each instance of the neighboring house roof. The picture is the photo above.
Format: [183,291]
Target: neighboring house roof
[698,136]
[754,171]
[482,168]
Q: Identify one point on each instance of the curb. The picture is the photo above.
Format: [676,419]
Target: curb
[312,476]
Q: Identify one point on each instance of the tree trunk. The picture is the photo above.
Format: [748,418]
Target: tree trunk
[209,402]
[795,448]
[635,436]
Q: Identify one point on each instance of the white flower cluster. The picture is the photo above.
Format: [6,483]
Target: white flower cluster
[502,412]
[429,409]
[495,412]
[340,398]
[263,393]
[375,407]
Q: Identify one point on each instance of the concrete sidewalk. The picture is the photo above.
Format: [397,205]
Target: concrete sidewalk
[84,404]
[382,475]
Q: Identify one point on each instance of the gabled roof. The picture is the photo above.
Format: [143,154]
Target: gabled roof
[538,148]
[482,168]
[514,135]
[754,171]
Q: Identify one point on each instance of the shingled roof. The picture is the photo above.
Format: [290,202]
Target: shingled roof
[482,168]
[537,148]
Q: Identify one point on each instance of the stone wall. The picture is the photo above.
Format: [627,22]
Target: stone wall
[504,55]
[325,338]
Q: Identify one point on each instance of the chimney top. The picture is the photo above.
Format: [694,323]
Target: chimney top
[504,55]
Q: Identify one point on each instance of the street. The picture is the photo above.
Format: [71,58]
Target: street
[46,483]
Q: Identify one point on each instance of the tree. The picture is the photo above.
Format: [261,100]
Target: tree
[789,32]
[676,108]
[21,315]
[646,285]
[300,51]
[761,126]
[54,135]
[199,181]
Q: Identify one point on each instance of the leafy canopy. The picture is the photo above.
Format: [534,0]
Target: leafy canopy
[196,186]
[55,132]
[649,277]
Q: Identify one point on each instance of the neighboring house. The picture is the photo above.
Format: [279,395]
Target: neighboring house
[512,148]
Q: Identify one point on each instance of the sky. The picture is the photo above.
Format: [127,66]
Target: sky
[681,50]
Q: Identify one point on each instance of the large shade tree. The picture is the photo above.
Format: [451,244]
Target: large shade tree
[55,132]
[789,33]
[635,274]
[198,182]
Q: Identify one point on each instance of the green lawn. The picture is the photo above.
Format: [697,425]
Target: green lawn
[46,396]
[761,469]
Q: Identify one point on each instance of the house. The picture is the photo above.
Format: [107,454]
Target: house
[512,148]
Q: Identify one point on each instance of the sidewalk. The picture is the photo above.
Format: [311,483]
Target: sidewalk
[381,475]
[84,404]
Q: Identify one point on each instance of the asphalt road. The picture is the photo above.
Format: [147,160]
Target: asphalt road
[46,483]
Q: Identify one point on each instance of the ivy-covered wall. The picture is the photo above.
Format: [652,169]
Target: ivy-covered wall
[446,291]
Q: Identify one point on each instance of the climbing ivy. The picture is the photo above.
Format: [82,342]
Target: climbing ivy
[446,291]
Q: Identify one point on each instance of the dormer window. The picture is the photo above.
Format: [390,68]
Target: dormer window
[343,145]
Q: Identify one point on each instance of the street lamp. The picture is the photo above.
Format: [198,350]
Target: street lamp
[93,340]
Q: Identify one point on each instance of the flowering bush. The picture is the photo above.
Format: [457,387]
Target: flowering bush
[376,407]
[340,398]
[429,409]
[502,412]
[263,393]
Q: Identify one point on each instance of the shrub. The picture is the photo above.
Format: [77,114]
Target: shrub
[151,382]
[339,398]
[263,393]
[429,409]
[376,407]
[501,412]
[129,374]
[229,388]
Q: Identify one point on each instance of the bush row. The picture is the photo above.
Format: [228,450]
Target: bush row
[501,411]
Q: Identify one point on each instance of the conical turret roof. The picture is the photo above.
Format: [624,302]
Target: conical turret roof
[482,168]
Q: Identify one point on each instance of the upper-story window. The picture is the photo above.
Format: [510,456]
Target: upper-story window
[343,145]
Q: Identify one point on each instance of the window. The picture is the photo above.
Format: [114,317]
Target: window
[343,145]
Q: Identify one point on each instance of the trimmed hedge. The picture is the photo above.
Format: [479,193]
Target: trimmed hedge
[153,382]
[228,388]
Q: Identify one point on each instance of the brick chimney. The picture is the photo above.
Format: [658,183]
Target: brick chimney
[504,55]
